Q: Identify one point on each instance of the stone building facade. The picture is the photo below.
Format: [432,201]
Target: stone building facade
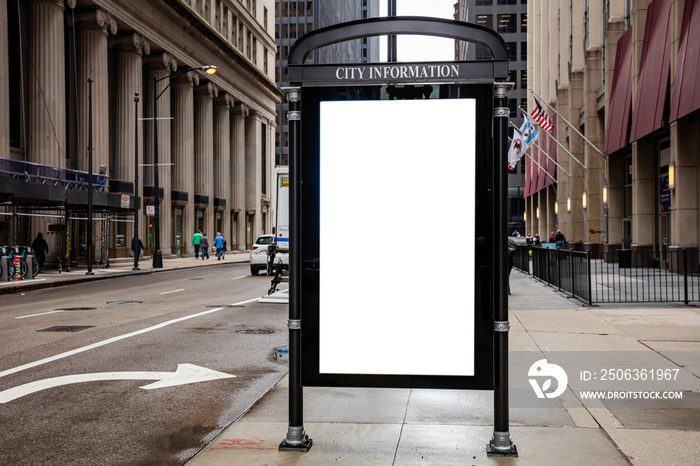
[215,135]
[623,74]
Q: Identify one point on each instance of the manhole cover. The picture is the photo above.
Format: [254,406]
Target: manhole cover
[124,302]
[255,331]
[66,328]
[224,305]
[75,309]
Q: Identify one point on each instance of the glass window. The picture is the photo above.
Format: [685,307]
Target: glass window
[485,20]
[512,51]
[523,104]
[264,240]
[507,23]
[523,79]
[484,2]
[513,105]
[523,51]
[523,22]
[507,2]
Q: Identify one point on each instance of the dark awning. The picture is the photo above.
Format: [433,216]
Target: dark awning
[686,83]
[620,96]
[654,69]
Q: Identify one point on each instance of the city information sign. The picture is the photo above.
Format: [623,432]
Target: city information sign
[397,256]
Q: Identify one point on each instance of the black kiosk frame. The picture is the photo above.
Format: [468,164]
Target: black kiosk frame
[478,89]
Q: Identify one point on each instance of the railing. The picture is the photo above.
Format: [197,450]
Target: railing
[623,276]
[43,174]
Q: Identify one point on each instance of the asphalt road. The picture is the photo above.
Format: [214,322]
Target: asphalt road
[127,333]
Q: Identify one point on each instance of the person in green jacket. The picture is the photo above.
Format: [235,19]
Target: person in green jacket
[196,239]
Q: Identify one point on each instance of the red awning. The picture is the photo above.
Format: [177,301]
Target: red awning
[686,83]
[620,96]
[653,71]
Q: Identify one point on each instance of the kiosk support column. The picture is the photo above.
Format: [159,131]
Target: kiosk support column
[501,443]
[296,439]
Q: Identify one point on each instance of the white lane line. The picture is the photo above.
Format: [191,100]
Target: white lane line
[114,339]
[173,291]
[238,278]
[34,315]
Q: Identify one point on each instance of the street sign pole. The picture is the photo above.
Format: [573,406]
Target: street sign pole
[501,443]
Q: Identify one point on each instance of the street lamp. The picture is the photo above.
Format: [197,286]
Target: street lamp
[136,183]
[209,69]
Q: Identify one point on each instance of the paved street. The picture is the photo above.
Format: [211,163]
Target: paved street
[92,346]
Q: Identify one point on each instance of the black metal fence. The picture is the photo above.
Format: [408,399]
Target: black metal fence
[623,276]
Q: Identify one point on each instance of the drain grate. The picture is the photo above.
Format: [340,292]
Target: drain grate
[124,302]
[75,309]
[66,328]
[255,331]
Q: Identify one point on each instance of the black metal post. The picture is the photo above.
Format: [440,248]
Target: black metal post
[501,443]
[685,275]
[89,215]
[590,282]
[136,181]
[157,256]
[391,39]
[296,439]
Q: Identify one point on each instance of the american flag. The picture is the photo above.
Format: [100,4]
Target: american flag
[540,116]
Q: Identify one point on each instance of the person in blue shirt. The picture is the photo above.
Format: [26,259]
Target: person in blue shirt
[219,243]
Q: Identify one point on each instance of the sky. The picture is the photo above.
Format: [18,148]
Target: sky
[421,48]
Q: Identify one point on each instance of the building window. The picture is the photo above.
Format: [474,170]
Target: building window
[523,22]
[523,104]
[523,51]
[513,105]
[485,20]
[513,76]
[255,50]
[218,222]
[507,23]
[484,2]
[507,2]
[255,8]
[512,51]
[265,18]
[523,79]
[248,44]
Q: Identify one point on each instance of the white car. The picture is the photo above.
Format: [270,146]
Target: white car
[258,255]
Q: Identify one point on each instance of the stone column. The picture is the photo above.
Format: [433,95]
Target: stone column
[222,161]
[128,51]
[4,83]
[182,96]
[595,173]
[643,189]
[253,188]
[156,67]
[685,140]
[204,151]
[576,145]
[93,27]
[240,113]
[47,86]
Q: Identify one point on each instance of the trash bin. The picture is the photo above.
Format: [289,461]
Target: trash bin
[624,258]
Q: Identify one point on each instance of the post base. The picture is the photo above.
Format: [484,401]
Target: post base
[304,446]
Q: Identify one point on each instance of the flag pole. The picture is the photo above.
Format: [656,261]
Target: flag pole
[567,122]
[559,143]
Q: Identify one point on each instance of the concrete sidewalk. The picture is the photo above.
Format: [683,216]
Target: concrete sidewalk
[400,426]
[118,267]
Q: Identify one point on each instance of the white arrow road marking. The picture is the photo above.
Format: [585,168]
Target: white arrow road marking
[185,374]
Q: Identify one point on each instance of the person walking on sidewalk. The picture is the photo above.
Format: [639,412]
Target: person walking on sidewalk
[40,248]
[196,241]
[560,239]
[204,245]
[219,243]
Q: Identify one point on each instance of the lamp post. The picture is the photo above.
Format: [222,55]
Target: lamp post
[89,215]
[136,182]
[209,69]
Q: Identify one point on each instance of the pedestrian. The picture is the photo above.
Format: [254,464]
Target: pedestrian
[223,253]
[204,245]
[196,239]
[40,248]
[560,239]
[219,243]
[137,253]
[551,238]
[537,240]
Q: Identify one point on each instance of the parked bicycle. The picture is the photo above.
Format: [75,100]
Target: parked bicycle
[22,251]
